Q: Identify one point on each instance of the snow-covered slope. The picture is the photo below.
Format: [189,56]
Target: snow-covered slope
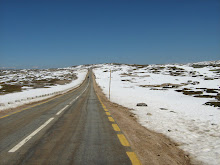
[206,63]
[175,95]
[38,85]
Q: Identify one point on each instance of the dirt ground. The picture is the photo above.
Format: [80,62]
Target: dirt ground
[28,105]
[151,148]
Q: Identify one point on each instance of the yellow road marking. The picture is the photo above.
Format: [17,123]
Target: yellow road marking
[29,107]
[115,127]
[111,119]
[123,140]
[4,116]
[107,113]
[42,102]
[133,157]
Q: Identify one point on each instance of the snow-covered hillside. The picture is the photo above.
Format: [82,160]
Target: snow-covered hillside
[207,63]
[19,87]
[183,102]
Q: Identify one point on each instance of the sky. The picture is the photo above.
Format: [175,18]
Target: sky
[61,33]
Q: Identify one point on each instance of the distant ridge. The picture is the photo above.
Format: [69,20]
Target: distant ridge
[205,63]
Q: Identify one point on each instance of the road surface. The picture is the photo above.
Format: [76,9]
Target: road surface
[75,128]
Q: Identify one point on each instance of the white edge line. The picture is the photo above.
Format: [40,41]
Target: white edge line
[79,95]
[62,110]
[15,148]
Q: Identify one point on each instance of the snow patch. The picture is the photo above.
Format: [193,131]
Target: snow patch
[30,95]
[182,117]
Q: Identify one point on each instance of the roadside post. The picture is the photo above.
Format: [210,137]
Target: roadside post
[110,83]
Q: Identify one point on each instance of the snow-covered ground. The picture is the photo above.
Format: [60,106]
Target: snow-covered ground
[36,85]
[175,95]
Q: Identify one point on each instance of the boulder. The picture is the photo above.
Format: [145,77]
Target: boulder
[142,104]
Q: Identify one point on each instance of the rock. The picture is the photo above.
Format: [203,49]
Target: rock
[149,114]
[209,78]
[195,83]
[211,91]
[164,109]
[213,103]
[131,115]
[142,104]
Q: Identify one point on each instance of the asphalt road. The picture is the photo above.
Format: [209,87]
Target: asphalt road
[74,128]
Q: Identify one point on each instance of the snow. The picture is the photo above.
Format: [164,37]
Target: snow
[29,95]
[183,118]
[206,62]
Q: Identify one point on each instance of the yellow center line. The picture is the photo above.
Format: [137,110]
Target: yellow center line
[29,107]
[133,157]
[123,140]
[105,109]
[107,113]
[115,127]
[43,102]
[111,119]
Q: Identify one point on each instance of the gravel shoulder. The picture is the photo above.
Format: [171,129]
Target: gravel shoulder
[152,148]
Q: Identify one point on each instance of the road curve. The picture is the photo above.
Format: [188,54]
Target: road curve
[75,128]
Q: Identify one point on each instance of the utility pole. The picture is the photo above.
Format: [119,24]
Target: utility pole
[110,83]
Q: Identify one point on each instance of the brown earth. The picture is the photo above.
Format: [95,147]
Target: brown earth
[151,148]
[28,105]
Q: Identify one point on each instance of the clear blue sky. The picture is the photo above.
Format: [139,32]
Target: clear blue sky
[59,33]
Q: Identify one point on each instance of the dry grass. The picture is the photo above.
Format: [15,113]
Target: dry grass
[6,88]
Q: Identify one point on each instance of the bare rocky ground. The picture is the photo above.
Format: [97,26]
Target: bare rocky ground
[23,79]
[152,148]
[26,106]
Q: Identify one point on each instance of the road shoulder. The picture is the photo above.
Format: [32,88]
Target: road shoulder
[10,111]
[151,147]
